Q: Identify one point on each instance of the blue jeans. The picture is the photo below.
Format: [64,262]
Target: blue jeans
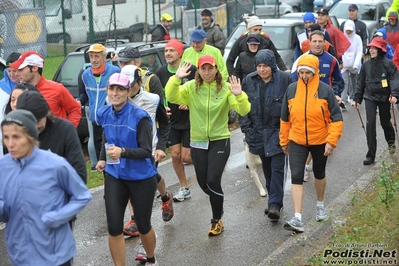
[90,145]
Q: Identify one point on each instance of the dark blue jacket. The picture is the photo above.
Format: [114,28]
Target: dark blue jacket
[262,125]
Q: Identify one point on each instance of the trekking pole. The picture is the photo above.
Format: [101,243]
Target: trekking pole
[361,120]
[394,120]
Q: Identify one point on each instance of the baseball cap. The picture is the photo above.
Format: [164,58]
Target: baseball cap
[30,58]
[253,40]
[353,7]
[128,53]
[133,72]
[378,34]
[96,48]
[34,102]
[23,118]
[323,11]
[198,36]
[206,12]
[119,80]
[166,16]
[206,59]
[12,58]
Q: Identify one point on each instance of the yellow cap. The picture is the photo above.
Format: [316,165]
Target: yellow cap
[166,16]
[97,48]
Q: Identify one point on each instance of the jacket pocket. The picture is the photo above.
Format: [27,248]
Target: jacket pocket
[375,86]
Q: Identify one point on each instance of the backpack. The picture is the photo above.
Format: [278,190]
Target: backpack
[146,77]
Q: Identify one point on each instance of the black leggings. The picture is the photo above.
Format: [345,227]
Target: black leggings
[117,193]
[209,165]
[297,158]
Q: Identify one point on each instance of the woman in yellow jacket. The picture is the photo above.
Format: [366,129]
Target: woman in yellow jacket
[311,121]
[209,99]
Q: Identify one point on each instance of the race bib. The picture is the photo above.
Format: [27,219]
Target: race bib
[199,144]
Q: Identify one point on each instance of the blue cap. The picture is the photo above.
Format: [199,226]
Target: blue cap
[309,17]
[198,36]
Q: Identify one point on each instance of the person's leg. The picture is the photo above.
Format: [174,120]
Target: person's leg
[116,198]
[267,171]
[385,120]
[90,145]
[352,84]
[345,92]
[200,161]
[371,129]
[142,195]
[319,169]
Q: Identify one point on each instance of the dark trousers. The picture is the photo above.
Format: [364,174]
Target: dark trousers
[384,113]
[98,135]
[209,165]
[273,169]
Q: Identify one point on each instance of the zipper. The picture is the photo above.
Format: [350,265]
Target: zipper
[306,120]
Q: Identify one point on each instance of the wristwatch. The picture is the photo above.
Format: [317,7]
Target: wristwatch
[123,152]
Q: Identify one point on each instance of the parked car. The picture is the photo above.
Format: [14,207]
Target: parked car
[2,67]
[295,4]
[281,31]
[299,16]
[70,68]
[271,8]
[319,4]
[371,12]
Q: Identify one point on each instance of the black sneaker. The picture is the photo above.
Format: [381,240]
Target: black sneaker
[391,148]
[274,214]
[368,161]
[342,105]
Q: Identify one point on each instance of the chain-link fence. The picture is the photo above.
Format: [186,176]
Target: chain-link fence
[56,27]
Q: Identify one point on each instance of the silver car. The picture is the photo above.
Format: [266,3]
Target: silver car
[371,12]
[281,31]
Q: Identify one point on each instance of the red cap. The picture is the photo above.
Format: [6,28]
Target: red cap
[206,59]
[379,43]
[30,58]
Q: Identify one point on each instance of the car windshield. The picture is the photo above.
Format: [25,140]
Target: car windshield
[70,71]
[280,35]
[366,12]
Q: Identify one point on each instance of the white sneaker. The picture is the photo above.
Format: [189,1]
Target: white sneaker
[152,264]
[184,193]
[141,254]
[306,177]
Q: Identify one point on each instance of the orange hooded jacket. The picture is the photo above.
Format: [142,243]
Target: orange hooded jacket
[310,114]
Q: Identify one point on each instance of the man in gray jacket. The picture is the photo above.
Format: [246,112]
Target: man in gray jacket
[214,33]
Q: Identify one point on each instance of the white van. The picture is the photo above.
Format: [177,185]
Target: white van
[131,18]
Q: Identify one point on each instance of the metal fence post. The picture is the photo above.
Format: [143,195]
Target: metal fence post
[91,26]
[63,27]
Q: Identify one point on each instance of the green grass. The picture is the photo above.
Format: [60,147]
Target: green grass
[94,179]
[367,220]
[55,55]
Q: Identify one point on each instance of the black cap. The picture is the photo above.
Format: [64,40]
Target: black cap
[128,53]
[206,12]
[34,102]
[23,118]
[353,7]
[323,11]
[12,58]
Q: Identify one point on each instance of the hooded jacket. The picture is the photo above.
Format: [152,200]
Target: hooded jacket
[352,58]
[214,35]
[390,50]
[262,125]
[246,60]
[208,109]
[393,31]
[310,114]
[377,80]
[39,194]
[160,33]
[340,41]
[360,30]
[240,45]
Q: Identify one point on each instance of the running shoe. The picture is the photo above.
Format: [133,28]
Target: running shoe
[141,254]
[321,214]
[130,228]
[184,193]
[216,228]
[167,209]
[294,225]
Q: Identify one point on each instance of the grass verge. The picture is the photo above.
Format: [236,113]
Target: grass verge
[368,234]
[94,178]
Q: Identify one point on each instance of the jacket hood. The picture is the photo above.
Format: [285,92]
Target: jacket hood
[309,60]
[266,56]
[258,37]
[384,33]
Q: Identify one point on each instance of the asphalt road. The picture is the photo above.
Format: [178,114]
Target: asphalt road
[249,237]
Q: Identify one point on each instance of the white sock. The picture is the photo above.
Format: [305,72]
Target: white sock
[307,166]
[320,204]
[299,216]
